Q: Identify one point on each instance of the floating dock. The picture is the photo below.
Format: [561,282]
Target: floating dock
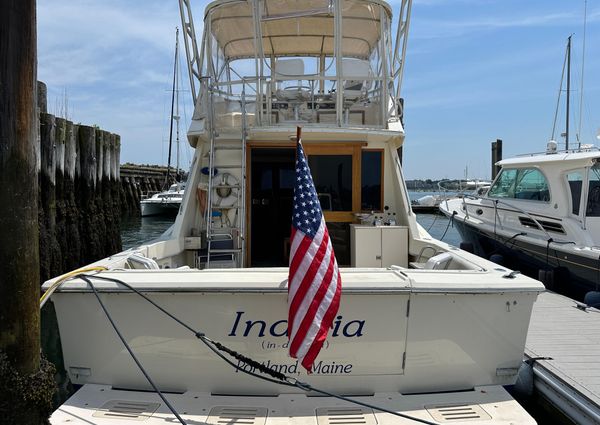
[568,333]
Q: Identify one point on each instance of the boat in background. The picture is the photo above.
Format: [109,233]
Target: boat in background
[427,203]
[541,215]
[168,201]
[425,331]
[163,203]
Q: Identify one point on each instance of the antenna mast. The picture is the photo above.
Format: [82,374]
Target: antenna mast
[568,91]
[582,71]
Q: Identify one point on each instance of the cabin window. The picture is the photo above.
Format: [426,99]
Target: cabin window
[575,182]
[371,190]
[336,174]
[332,175]
[593,203]
[523,183]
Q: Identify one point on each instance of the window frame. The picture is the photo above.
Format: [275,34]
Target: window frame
[333,149]
[582,195]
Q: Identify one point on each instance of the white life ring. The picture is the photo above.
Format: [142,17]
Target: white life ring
[226,189]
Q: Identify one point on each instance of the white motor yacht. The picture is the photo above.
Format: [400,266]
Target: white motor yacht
[164,203]
[425,333]
[542,216]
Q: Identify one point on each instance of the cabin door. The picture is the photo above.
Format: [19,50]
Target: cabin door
[271,193]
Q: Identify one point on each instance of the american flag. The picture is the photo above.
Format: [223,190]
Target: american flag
[314,283]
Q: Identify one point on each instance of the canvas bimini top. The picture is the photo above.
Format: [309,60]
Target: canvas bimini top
[295,28]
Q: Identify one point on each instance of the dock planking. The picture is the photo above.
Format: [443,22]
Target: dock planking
[571,337]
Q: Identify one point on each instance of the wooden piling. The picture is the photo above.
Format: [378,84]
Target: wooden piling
[19,249]
[88,213]
[71,255]
[496,156]
[49,248]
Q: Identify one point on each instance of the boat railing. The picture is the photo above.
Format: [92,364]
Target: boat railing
[497,220]
[306,99]
[582,148]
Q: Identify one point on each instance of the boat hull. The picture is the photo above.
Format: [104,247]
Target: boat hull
[571,274]
[169,208]
[384,337]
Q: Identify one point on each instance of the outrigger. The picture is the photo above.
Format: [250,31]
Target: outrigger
[426,332]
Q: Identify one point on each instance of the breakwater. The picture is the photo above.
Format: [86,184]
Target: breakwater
[79,192]
[84,191]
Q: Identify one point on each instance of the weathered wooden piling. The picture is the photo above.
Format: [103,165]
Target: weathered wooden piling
[21,400]
[90,247]
[496,156]
[72,252]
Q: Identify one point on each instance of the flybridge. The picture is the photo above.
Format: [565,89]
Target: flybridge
[279,328]
[320,62]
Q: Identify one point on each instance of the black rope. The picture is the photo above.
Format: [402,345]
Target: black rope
[280,378]
[450,221]
[548,251]
[133,356]
[433,222]
[212,345]
[513,238]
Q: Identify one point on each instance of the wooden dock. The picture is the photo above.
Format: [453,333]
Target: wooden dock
[570,336]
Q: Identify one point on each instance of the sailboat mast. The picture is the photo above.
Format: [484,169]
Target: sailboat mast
[568,91]
[176,118]
[172,105]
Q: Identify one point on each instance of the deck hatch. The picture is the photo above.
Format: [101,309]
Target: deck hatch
[240,415]
[458,412]
[345,416]
[127,410]
[546,225]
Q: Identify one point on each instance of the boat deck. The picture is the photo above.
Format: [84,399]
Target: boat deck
[570,336]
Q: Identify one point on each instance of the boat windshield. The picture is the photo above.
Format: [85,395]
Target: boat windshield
[521,183]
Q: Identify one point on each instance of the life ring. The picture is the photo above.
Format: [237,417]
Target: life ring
[226,190]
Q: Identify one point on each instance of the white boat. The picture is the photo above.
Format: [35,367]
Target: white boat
[542,214]
[163,203]
[168,201]
[424,331]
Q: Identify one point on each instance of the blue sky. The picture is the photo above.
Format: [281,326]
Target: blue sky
[476,70]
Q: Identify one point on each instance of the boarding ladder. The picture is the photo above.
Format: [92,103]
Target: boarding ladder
[225,224]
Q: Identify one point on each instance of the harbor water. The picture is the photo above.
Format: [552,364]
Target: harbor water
[138,230]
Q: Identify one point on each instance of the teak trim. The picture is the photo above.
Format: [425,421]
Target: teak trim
[313,148]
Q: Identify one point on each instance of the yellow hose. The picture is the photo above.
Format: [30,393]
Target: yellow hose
[45,296]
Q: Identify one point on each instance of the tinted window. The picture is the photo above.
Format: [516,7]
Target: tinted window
[371,180]
[332,175]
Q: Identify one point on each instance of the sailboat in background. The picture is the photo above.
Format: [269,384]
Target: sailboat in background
[169,201]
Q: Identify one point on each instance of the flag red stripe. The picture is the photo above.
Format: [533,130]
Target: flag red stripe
[315,303]
[307,280]
[314,349]
[301,295]
[298,256]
